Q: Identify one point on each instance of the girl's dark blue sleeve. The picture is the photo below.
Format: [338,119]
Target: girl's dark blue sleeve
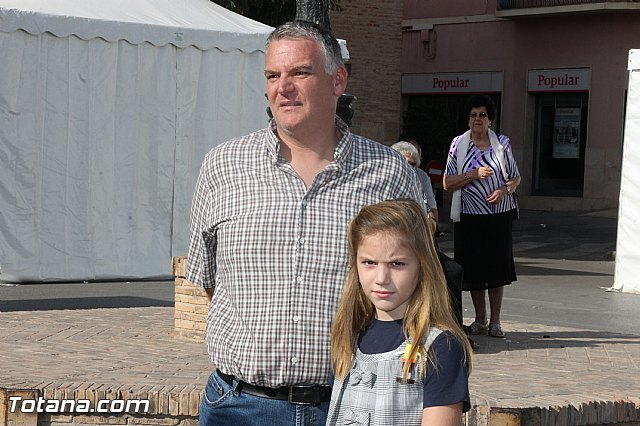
[448,384]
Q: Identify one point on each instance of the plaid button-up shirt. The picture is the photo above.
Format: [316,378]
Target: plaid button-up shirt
[276,252]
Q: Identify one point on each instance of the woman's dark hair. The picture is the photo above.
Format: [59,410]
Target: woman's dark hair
[477,101]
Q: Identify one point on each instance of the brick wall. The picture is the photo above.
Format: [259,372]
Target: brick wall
[373,33]
[191,303]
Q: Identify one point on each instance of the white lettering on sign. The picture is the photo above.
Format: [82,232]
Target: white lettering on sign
[445,84]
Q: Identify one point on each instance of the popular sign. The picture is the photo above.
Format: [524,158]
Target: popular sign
[449,82]
[560,80]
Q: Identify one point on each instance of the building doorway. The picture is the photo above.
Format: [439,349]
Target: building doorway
[434,120]
[560,143]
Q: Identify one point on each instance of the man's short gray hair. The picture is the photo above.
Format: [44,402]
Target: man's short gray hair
[310,31]
[405,147]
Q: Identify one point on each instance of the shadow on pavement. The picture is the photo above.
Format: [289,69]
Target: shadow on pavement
[565,235]
[525,269]
[81,303]
[554,340]
[555,235]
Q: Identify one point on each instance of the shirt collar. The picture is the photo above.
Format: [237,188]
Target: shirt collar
[345,144]
[340,155]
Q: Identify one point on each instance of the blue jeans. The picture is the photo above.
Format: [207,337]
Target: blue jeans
[223,405]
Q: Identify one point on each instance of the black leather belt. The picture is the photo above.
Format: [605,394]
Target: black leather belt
[310,395]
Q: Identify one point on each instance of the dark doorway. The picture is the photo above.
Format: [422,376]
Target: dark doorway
[560,142]
[434,120]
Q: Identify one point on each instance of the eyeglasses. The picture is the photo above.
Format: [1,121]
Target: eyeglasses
[478,114]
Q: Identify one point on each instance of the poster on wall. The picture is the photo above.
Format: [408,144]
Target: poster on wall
[566,133]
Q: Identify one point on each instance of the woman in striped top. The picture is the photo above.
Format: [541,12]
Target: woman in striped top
[483,175]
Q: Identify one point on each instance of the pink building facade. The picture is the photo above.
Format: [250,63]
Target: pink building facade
[557,72]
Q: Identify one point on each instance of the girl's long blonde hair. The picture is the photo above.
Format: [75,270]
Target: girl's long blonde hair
[429,305]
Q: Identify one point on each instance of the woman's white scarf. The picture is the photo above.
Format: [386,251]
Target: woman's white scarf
[461,153]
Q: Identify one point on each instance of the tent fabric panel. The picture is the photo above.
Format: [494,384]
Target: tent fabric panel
[91,133]
[18,232]
[139,177]
[627,266]
[182,23]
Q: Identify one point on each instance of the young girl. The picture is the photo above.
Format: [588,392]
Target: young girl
[399,355]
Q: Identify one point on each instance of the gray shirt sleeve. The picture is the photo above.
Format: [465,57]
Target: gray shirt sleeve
[427,189]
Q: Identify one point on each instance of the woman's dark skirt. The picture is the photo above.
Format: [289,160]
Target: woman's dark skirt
[483,246]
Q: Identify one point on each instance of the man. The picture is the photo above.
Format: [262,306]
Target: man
[411,151]
[268,242]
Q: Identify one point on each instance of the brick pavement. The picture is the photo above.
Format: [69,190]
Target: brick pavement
[538,375]
[557,376]
[104,353]
[109,346]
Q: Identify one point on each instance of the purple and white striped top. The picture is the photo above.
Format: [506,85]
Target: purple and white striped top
[475,193]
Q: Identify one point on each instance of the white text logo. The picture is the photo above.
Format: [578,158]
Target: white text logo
[42,405]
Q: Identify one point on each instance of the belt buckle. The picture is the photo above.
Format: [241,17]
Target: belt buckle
[303,388]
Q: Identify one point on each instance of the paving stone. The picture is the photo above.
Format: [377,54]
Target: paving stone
[577,376]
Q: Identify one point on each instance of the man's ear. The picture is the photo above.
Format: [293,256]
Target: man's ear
[340,80]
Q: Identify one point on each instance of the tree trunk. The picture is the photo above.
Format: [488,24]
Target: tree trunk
[314,11]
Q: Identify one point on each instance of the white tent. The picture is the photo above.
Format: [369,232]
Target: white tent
[627,268]
[106,111]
